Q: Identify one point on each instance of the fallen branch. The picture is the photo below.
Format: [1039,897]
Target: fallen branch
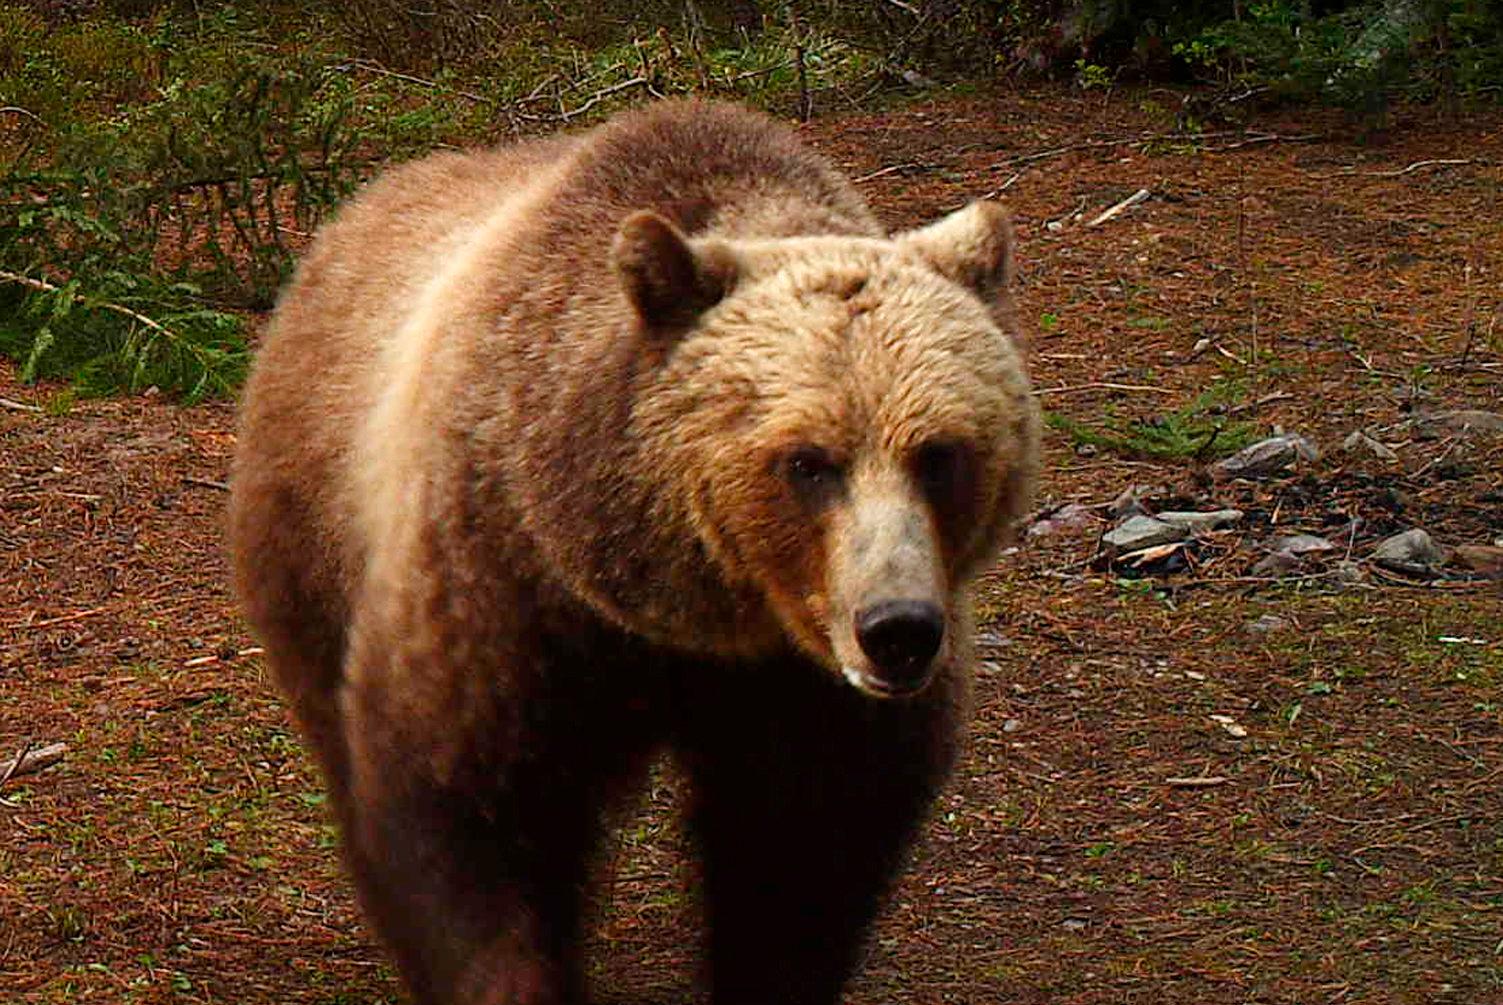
[18,110]
[595,99]
[207,483]
[18,406]
[1439,162]
[894,169]
[29,761]
[1143,139]
[1009,183]
[1120,207]
[1197,782]
[1253,141]
[46,287]
[1102,385]
[199,661]
[379,70]
[1267,399]
[22,626]
[764,71]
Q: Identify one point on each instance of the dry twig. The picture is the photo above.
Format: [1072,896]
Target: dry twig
[19,626]
[1438,162]
[1120,207]
[18,110]
[1103,385]
[376,68]
[31,760]
[594,99]
[894,169]
[1145,138]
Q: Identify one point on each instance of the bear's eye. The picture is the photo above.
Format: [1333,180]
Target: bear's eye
[943,470]
[812,473]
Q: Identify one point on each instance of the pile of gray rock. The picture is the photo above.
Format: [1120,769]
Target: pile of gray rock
[1138,537]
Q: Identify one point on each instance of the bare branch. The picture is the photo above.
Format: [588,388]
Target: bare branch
[1105,385]
[1197,782]
[379,70]
[29,761]
[914,166]
[595,99]
[46,287]
[1441,162]
[1120,207]
[18,110]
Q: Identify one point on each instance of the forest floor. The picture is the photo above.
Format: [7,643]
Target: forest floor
[1210,784]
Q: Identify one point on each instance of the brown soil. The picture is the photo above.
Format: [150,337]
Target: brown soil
[1336,836]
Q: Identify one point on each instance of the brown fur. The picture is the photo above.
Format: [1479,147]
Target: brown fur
[513,508]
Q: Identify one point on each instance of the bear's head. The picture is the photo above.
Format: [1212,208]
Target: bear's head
[845,424]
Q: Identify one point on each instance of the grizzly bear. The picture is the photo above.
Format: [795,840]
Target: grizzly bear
[563,455]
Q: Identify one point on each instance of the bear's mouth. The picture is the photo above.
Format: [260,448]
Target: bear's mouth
[876,687]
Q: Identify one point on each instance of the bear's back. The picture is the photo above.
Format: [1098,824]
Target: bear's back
[468,301]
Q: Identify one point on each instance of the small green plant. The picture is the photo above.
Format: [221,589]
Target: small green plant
[60,403]
[69,923]
[1194,431]
[1092,76]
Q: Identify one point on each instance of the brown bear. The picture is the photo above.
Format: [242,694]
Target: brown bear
[564,454]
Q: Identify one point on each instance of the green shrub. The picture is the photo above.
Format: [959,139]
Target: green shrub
[162,172]
[1361,56]
[137,217]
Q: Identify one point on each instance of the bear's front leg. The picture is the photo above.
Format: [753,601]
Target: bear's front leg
[807,795]
[470,825]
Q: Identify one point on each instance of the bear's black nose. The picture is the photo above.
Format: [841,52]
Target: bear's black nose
[900,637]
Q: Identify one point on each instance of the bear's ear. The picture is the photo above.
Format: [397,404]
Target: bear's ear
[972,246]
[669,280]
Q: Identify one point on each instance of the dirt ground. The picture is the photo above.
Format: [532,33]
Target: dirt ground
[1210,786]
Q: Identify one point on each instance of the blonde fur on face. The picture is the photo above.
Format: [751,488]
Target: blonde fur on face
[867,350]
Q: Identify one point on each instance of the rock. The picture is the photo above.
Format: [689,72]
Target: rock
[1232,726]
[1267,457]
[1267,623]
[988,639]
[1011,726]
[1276,565]
[1350,573]
[1139,532]
[1362,444]
[1485,560]
[1457,422]
[1414,552]
[1287,554]
[1069,518]
[1300,544]
[1195,522]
